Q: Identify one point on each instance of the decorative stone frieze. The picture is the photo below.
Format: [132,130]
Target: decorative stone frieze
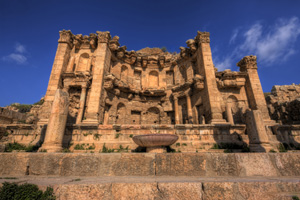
[229,79]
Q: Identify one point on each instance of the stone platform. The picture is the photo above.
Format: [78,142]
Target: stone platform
[158,176]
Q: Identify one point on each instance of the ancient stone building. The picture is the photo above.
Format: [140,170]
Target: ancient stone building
[115,94]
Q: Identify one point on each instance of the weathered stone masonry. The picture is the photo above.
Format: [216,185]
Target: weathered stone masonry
[115,91]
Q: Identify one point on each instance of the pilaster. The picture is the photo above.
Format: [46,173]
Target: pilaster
[255,94]
[59,66]
[102,63]
[212,97]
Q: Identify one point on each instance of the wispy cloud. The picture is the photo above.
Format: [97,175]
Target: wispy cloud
[20,48]
[19,56]
[271,44]
[234,36]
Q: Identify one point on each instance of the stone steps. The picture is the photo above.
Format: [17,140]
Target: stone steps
[235,176]
[167,187]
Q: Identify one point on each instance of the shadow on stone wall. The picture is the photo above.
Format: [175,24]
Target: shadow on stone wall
[234,142]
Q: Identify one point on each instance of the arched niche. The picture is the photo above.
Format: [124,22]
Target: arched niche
[233,103]
[121,114]
[153,79]
[83,62]
[124,73]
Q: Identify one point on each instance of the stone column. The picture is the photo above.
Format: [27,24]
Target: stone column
[229,113]
[189,108]
[60,63]
[212,97]
[255,94]
[102,63]
[57,122]
[81,104]
[59,66]
[176,110]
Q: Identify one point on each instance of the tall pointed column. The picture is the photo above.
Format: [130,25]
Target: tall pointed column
[57,122]
[59,66]
[212,96]
[255,94]
[81,104]
[102,63]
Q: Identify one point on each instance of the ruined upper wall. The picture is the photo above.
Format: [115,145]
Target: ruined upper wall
[284,103]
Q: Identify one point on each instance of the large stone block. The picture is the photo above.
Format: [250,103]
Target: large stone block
[255,164]
[13,164]
[83,191]
[181,164]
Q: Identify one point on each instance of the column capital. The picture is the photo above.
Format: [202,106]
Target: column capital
[248,62]
[203,37]
[66,36]
[103,37]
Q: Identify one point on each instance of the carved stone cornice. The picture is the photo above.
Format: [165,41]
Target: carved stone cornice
[103,37]
[144,61]
[93,40]
[202,37]
[121,52]
[85,42]
[66,36]
[248,62]
[114,43]
[192,45]
[161,61]
[230,79]
[77,40]
[198,82]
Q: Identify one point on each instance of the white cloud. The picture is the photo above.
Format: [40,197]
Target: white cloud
[19,56]
[15,57]
[271,44]
[20,48]
[234,36]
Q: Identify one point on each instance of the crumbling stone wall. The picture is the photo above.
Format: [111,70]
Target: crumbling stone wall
[284,104]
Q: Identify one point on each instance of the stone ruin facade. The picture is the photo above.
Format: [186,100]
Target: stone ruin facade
[284,104]
[114,94]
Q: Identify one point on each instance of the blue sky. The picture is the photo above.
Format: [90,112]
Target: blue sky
[29,33]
